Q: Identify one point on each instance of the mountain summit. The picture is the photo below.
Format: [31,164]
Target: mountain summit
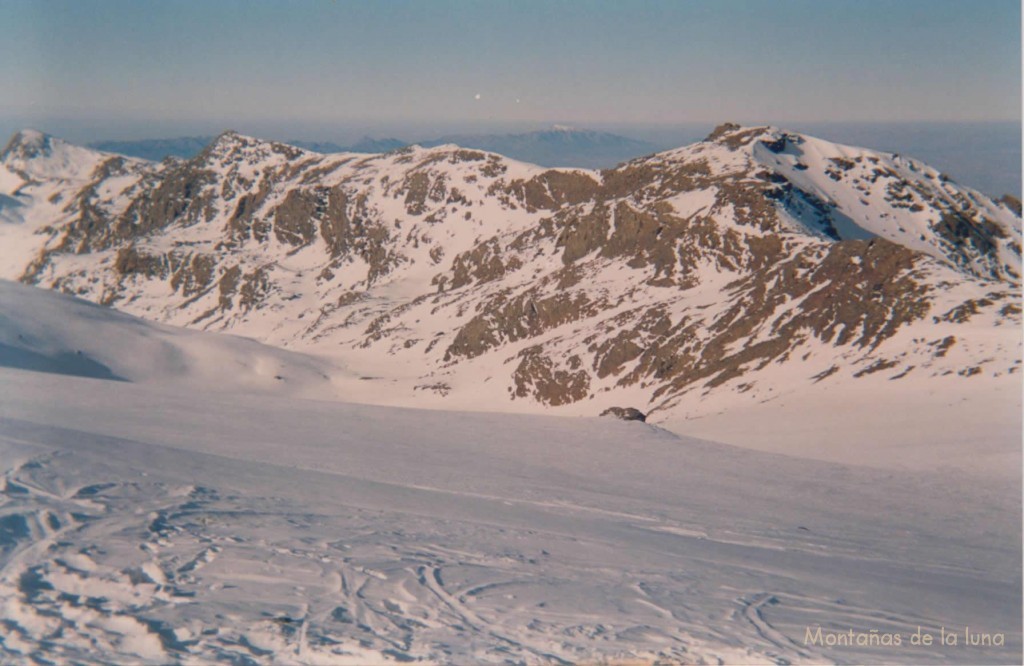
[34,155]
[27,144]
[753,263]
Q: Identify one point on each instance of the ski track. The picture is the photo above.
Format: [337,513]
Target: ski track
[154,550]
[127,550]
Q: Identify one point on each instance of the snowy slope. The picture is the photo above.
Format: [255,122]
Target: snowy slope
[257,530]
[48,332]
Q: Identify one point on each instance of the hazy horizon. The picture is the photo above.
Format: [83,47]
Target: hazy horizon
[939,80]
[517,64]
[936,79]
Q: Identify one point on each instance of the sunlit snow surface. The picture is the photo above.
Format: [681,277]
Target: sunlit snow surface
[168,522]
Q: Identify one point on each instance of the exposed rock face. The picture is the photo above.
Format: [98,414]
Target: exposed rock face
[701,270]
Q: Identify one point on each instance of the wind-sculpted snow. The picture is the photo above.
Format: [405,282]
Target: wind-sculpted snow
[264,530]
[54,333]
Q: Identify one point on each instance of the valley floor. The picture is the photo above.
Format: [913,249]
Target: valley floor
[141,524]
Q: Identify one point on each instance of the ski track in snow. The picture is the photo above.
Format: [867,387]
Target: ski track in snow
[156,538]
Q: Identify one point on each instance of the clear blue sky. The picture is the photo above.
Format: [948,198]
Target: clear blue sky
[333,62]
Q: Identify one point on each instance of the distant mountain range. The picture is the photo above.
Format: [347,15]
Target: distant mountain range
[559,146]
[155,150]
[364,145]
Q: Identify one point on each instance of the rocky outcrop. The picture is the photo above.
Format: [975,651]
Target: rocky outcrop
[625,414]
[539,377]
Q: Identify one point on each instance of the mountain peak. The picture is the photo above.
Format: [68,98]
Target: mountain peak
[734,135]
[28,144]
[35,155]
[722,130]
[231,145]
[229,138]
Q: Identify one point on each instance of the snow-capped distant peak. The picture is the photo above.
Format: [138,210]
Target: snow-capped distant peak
[30,144]
[34,155]
[230,148]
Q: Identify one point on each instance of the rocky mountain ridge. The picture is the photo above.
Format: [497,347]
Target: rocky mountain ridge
[754,263]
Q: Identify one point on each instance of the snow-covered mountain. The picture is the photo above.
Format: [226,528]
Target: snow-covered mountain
[753,264]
